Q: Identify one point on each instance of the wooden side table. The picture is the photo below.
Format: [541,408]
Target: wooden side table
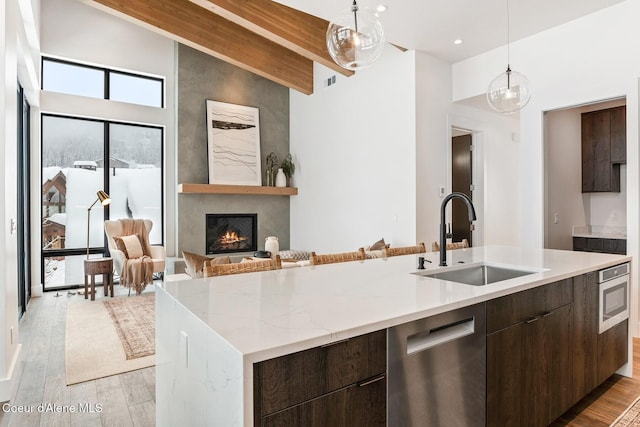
[93,267]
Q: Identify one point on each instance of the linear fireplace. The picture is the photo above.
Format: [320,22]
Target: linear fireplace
[226,233]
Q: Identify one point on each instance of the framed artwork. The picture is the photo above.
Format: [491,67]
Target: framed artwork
[233,144]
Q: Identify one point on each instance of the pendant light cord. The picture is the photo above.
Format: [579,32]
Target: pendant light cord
[508,40]
[354,9]
[508,49]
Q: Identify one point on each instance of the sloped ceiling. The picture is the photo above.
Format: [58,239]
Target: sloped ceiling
[280,40]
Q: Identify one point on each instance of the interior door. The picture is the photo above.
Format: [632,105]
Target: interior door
[461,181]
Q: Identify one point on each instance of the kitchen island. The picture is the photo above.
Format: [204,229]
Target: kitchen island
[211,332]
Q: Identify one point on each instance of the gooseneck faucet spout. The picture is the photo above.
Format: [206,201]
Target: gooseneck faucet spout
[443,240]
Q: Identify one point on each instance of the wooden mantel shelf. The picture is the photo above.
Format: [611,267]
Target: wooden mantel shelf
[236,189]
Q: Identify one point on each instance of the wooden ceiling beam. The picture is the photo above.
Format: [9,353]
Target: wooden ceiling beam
[190,24]
[296,30]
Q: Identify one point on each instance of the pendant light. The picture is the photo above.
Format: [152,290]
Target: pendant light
[355,40]
[509,91]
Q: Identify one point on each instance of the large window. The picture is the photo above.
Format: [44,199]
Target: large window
[96,82]
[80,157]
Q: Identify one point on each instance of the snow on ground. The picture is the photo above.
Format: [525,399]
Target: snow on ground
[137,194]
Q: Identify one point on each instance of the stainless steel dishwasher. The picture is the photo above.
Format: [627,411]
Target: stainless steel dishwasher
[437,370]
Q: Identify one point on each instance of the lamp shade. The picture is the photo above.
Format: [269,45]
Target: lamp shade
[355,39]
[104,198]
[509,92]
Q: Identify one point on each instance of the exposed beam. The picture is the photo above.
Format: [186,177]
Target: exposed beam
[296,30]
[190,24]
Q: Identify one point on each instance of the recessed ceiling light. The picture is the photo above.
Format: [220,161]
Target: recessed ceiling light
[457,41]
[381,7]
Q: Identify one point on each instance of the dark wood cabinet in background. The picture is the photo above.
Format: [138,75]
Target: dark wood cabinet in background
[341,384]
[597,244]
[604,148]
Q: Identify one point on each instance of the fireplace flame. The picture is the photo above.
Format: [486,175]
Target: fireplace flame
[231,237]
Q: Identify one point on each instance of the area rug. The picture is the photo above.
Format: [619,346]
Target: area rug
[630,417]
[93,348]
[134,319]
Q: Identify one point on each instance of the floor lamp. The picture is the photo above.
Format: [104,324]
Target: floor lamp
[105,200]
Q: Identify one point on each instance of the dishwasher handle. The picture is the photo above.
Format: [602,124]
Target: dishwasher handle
[425,340]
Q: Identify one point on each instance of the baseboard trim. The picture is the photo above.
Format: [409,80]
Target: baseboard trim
[37,290]
[6,384]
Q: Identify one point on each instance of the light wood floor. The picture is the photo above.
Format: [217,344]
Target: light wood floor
[127,399]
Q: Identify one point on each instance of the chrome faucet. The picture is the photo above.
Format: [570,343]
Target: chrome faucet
[443,239]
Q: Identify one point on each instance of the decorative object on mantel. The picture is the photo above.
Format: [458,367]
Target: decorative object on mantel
[355,39]
[510,91]
[272,245]
[281,180]
[233,141]
[272,166]
[288,168]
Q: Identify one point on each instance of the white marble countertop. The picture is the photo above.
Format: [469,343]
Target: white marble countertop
[600,232]
[269,314]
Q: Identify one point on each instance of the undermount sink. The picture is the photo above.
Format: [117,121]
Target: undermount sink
[479,274]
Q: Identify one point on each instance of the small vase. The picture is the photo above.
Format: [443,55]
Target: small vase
[281,179]
[271,244]
[269,178]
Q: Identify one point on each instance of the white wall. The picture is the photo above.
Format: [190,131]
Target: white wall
[18,49]
[495,171]
[354,148]
[586,60]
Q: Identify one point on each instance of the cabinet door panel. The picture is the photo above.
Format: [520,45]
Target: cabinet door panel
[612,350]
[504,377]
[585,334]
[354,406]
[579,243]
[558,361]
[536,376]
[599,172]
[619,135]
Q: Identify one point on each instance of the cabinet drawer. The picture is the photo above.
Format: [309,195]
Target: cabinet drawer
[360,405]
[511,309]
[98,267]
[295,378]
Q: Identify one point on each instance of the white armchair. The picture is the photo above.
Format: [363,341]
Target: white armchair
[113,228]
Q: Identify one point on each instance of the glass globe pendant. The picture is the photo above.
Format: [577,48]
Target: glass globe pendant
[509,92]
[355,40]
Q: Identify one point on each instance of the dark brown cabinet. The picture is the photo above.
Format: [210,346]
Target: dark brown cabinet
[544,352]
[596,244]
[595,356]
[612,350]
[603,149]
[360,404]
[584,339]
[528,361]
[342,384]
